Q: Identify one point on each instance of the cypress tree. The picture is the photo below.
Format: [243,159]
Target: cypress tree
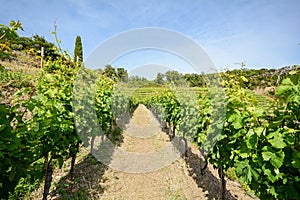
[78,50]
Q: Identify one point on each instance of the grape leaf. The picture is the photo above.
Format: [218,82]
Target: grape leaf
[277,142]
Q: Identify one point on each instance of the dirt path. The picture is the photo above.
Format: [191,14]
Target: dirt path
[171,182]
[176,181]
[179,180]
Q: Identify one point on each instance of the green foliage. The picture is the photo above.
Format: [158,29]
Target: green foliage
[166,107]
[263,150]
[259,78]
[195,80]
[117,75]
[34,45]
[136,81]
[159,78]
[110,72]
[78,52]
[259,144]
[122,75]
[16,151]
[103,103]
[52,114]
[14,79]
[46,136]
[10,40]
[10,32]
[174,77]
[49,131]
[29,182]
[12,166]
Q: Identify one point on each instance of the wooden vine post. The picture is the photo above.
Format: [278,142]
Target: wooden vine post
[42,56]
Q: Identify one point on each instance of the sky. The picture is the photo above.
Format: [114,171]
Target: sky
[261,33]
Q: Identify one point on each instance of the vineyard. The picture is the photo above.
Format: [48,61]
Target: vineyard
[254,135]
[261,144]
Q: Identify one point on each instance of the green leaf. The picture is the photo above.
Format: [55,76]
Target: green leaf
[276,159]
[258,112]
[259,130]
[251,139]
[245,172]
[12,174]
[237,124]
[254,174]
[285,86]
[233,117]
[239,166]
[272,191]
[271,177]
[236,120]
[296,159]
[267,155]
[277,142]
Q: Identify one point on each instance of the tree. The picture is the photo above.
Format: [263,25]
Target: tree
[122,74]
[110,72]
[137,81]
[78,54]
[159,78]
[195,80]
[174,77]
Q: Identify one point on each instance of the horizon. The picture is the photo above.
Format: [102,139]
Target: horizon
[140,72]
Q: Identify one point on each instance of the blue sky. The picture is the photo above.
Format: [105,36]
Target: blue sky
[264,33]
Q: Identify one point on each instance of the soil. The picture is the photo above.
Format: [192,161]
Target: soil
[181,179]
